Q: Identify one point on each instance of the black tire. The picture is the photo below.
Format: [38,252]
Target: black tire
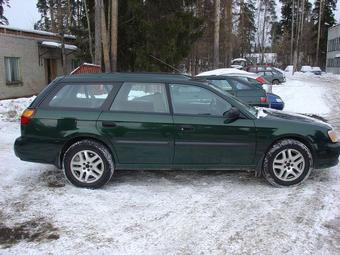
[276,82]
[103,153]
[280,146]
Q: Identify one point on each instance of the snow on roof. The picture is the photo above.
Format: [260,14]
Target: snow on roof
[36,31]
[222,71]
[58,45]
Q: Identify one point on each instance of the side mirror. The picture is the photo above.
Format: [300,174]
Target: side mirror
[232,114]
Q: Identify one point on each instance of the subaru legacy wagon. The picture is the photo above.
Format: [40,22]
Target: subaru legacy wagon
[91,125]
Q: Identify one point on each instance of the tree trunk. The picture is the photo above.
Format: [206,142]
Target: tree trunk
[319,32]
[228,13]
[51,10]
[89,30]
[217,34]
[105,39]
[263,31]
[98,33]
[114,34]
[292,35]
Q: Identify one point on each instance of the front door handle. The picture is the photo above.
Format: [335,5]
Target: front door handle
[185,128]
[109,124]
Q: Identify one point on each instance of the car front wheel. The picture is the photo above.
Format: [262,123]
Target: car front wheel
[88,164]
[276,82]
[288,162]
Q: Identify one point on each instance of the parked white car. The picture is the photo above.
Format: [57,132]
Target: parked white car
[223,71]
[306,69]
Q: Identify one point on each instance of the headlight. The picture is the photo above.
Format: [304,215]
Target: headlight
[332,136]
[278,100]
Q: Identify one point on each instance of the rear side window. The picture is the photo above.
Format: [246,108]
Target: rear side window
[141,97]
[222,84]
[81,96]
[240,85]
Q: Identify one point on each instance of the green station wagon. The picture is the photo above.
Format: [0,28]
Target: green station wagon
[91,125]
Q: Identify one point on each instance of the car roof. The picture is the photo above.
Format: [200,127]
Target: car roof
[107,77]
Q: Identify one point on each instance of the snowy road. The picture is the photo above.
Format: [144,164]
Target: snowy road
[164,212]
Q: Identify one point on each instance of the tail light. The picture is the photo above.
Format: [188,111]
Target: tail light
[261,80]
[26,116]
[263,100]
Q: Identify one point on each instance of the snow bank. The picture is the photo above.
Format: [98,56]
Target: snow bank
[302,95]
[11,109]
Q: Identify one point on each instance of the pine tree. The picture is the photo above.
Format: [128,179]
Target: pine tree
[3,19]
[246,27]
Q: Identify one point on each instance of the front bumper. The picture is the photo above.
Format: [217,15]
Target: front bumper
[328,156]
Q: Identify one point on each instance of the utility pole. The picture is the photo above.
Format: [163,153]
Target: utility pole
[217,34]
[319,32]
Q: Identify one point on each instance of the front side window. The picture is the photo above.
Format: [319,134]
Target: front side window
[141,97]
[12,69]
[90,96]
[222,84]
[194,100]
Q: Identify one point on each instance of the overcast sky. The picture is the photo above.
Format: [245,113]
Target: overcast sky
[23,13]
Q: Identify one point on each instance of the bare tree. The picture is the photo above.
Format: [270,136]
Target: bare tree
[105,39]
[319,31]
[89,30]
[217,34]
[292,34]
[98,34]
[114,34]
[228,13]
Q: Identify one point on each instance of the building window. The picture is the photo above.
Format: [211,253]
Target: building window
[12,69]
[75,63]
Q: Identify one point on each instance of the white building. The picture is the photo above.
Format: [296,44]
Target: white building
[30,59]
[333,50]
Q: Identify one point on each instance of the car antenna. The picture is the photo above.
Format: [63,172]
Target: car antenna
[163,62]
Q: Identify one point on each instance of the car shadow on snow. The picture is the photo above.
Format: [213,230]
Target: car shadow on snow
[179,177]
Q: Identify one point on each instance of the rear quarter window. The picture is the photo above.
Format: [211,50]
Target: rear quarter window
[90,96]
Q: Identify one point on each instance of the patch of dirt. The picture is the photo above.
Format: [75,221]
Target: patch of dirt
[36,230]
[54,178]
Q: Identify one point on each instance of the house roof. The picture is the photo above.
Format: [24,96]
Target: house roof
[34,34]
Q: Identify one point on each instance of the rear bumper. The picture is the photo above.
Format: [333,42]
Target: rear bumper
[328,156]
[36,150]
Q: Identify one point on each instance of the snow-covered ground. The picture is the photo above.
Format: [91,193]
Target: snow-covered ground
[172,212]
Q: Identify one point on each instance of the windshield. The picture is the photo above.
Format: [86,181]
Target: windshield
[253,111]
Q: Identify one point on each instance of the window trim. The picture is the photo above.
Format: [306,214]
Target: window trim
[44,105]
[140,112]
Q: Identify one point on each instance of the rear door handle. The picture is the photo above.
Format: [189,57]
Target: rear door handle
[109,124]
[186,128]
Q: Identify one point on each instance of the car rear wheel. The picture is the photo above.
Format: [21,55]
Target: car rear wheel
[288,162]
[276,82]
[88,164]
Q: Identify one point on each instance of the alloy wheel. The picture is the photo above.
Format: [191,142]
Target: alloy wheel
[288,165]
[87,166]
